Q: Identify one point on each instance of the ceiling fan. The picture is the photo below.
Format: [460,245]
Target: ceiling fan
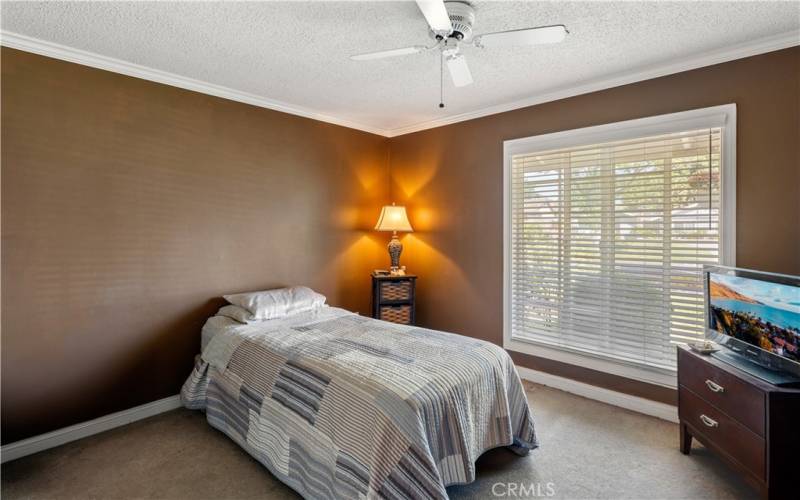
[451,24]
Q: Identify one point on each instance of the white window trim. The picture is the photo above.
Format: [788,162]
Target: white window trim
[723,116]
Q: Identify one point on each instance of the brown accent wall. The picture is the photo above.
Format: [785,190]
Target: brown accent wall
[129,207]
[451,180]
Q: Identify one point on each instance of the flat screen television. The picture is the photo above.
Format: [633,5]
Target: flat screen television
[755,317]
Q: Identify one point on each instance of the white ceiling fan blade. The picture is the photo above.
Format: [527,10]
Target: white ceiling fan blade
[389,53]
[436,14]
[459,70]
[528,36]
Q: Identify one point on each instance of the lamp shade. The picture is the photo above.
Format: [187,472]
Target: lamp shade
[393,218]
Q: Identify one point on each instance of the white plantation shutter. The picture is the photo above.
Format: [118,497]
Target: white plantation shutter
[606,242]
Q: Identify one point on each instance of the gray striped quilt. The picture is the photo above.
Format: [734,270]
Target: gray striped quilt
[342,406]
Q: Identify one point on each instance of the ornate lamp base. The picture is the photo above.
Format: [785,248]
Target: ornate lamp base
[395,249]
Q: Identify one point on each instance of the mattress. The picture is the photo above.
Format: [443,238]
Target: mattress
[340,406]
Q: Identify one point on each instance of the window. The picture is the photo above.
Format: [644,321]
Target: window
[607,230]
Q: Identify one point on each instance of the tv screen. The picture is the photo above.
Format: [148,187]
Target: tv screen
[762,313]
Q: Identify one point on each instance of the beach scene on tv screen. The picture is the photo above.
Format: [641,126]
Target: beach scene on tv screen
[760,313]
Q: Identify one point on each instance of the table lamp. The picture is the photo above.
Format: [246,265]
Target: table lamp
[394,219]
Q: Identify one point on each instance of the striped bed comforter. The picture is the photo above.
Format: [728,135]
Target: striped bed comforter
[341,406]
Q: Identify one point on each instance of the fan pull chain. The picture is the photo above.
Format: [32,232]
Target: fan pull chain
[441,79]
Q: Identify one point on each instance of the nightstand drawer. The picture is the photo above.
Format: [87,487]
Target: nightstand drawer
[395,314]
[393,298]
[731,394]
[395,291]
[723,432]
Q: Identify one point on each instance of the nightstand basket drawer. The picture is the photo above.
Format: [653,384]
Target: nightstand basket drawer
[396,314]
[393,298]
[395,291]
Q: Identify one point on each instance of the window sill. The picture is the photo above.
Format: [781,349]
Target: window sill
[662,377]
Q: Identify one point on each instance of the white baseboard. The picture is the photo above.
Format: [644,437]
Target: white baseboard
[58,437]
[633,403]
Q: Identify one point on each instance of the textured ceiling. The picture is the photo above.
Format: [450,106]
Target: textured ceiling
[297,52]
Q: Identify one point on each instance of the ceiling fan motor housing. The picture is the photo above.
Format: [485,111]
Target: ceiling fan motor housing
[462,17]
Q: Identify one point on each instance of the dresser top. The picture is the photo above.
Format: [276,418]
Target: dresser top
[733,370]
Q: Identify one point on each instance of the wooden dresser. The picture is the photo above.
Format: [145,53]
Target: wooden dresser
[752,425]
[393,298]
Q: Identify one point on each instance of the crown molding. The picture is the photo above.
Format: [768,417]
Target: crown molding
[58,51]
[752,48]
[65,53]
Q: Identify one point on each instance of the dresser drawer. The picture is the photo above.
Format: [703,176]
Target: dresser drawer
[729,393]
[395,314]
[395,291]
[741,444]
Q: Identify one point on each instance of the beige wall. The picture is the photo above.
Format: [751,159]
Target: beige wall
[451,179]
[129,207]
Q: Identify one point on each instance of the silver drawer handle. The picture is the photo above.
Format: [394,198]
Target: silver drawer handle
[714,387]
[710,422]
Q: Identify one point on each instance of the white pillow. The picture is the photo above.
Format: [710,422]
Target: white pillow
[236,313]
[277,303]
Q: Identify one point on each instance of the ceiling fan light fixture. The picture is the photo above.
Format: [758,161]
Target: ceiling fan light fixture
[459,71]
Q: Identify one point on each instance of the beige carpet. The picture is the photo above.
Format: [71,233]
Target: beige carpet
[588,450]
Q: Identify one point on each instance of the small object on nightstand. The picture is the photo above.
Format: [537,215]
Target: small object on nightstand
[393,297]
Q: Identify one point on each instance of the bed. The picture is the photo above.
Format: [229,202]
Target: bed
[337,405]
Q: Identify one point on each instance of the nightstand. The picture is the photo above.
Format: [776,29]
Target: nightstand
[393,298]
